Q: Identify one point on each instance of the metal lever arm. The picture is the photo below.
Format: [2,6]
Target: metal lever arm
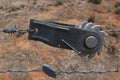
[63,36]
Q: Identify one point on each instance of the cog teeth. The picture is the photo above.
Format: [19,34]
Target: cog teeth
[104,43]
[103,33]
[83,54]
[100,51]
[88,26]
[96,27]
[91,55]
[83,25]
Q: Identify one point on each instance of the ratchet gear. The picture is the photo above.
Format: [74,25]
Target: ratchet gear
[97,29]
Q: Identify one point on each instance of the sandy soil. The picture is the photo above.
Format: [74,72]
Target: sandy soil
[21,53]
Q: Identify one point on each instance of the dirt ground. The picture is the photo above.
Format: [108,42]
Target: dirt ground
[20,53]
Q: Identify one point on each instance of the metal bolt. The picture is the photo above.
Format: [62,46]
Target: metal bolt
[91,42]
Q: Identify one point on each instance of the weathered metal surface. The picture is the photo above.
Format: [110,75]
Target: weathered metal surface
[57,35]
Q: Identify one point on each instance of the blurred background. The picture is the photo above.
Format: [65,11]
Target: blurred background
[20,53]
